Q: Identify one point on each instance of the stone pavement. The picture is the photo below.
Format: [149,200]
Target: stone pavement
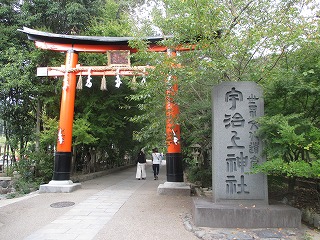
[118,207]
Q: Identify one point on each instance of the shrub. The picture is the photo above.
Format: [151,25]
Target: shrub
[32,171]
[200,176]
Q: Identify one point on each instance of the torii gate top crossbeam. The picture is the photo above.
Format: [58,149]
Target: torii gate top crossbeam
[63,43]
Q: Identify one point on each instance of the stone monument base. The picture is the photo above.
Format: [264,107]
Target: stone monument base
[64,186]
[174,188]
[246,215]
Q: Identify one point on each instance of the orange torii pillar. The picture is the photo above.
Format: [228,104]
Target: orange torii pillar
[173,156]
[175,183]
[63,155]
[62,159]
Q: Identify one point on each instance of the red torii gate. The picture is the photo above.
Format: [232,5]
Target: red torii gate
[71,45]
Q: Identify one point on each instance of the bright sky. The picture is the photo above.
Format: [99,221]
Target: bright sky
[143,13]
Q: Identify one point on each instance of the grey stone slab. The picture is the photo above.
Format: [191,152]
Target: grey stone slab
[219,215]
[59,187]
[174,188]
[268,233]
[240,236]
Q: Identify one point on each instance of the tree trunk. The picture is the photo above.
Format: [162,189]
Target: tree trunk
[291,184]
[73,159]
[38,125]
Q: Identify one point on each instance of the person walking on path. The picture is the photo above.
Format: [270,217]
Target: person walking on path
[156,161]
[141,165]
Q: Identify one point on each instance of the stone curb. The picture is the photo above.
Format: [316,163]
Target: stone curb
[90,176]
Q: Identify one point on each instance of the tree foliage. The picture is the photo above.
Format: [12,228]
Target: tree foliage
[290,128]
[230,41]
[29,102]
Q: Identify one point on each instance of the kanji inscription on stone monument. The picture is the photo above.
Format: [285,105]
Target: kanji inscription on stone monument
[236,147]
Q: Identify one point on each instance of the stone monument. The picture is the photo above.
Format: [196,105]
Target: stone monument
[236,106]
[240,199]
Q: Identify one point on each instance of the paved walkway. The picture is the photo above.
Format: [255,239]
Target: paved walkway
[117,207]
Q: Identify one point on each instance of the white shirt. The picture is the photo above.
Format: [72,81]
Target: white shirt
[156,158]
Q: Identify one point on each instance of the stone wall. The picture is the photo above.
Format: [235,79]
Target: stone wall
[310,217]
[6,185]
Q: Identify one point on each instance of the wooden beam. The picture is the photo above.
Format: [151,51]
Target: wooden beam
[93,71]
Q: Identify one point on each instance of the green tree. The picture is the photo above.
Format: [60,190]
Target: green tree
[114,20]
[290,128]
[107,112]
[22,93]
[26,100]
[231,41]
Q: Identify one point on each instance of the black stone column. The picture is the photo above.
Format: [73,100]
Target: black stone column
[62,166]
[174,167]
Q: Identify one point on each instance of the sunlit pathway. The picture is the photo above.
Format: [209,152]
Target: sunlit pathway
[111,207]
[85,220]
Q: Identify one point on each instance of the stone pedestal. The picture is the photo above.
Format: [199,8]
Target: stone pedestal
[54,186]
[174,188]
[244,215]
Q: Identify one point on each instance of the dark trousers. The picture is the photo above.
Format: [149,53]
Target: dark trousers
[156,168]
